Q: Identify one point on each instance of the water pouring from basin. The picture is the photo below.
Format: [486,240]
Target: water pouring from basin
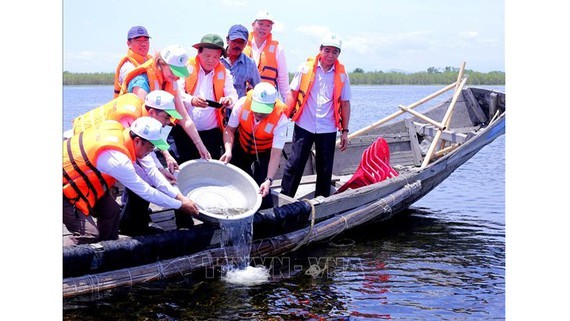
[227,196]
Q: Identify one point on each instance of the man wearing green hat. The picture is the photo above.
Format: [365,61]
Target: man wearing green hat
[261,125]
[207,91]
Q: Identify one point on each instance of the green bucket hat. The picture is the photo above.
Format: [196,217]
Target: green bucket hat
[212,41]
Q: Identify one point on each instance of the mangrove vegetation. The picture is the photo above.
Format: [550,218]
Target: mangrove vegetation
[432,76]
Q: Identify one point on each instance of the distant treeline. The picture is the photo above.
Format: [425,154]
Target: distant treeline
[432,76]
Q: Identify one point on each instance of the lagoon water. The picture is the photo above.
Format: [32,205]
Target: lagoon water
[444,259]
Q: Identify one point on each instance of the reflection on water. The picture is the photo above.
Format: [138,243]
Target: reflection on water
[421,265]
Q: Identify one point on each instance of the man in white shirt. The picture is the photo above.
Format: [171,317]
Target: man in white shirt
[321,110]
[269,55]
[93,160]
[207,92]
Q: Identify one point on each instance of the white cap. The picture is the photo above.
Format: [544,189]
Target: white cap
[263,98]
[162,100]
[331,39]
[177,59]
[264,15]
[149,129]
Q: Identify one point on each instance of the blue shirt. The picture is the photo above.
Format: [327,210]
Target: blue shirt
[243,70]
[139,81]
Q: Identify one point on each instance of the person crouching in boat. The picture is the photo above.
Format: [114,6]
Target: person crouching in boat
[321,92]
[158,104]
[262,130]
[93,161]
[162,72]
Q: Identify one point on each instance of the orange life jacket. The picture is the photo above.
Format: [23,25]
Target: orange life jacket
[267,65]
[218,83]
[83,183]
[262,139]
[128,105]
[135,59]
[307,80]
[154,74]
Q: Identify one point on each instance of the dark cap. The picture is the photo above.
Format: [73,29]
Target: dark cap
[211,41]
[238,31]
[137,31]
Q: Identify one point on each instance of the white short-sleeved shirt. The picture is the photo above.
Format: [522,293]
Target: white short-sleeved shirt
[205,118]
[318,114]
[279,134]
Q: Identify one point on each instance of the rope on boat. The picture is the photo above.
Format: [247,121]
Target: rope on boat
[130,278]
[310,228]
[343,229]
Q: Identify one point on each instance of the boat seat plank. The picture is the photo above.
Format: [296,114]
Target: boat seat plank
[307,179]
[404,158]
[448,135]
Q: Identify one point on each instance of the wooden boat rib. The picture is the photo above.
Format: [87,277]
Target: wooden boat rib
[477,117]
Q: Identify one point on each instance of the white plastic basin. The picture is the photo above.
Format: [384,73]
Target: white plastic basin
[221,191]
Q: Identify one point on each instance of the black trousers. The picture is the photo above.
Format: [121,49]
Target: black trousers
[256,169]
[182,148]
[324,158]
[135,216]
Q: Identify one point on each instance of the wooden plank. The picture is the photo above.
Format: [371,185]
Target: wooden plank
[404,158]
[414,143]
[472,104]
[429,130]
[493,104]
[308,179]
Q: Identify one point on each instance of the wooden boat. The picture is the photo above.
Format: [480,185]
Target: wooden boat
[424,149]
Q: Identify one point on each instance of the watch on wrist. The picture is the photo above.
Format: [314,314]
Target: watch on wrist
[269,179]
[344,131]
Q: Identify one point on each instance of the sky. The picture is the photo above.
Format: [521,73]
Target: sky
[526,39]
[378,35]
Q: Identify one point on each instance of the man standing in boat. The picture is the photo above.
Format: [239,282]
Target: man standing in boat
[139,45]
[321,95]
[262,130]
[243,68]
[93,161]
[269,55]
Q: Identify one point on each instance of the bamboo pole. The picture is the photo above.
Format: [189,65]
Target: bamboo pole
[400,112]
[422,117]
[446,150]
[459,77]
[448,114]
